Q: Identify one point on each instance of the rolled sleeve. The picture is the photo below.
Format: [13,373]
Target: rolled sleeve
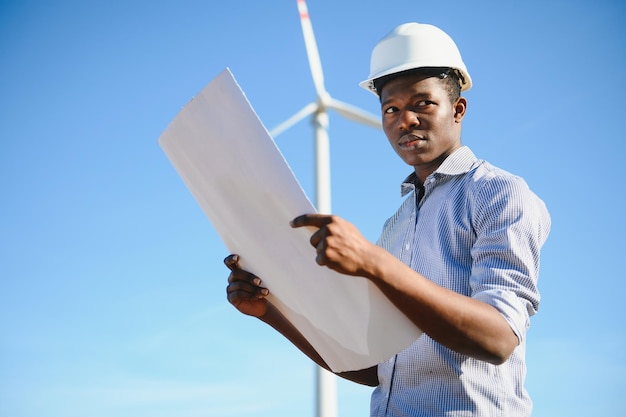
[514,309]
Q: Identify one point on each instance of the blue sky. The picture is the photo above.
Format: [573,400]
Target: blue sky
[111,277]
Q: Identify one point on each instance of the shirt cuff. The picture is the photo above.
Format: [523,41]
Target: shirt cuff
[514,309]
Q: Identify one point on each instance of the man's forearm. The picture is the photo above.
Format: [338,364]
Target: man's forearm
[275,319]
[458,322]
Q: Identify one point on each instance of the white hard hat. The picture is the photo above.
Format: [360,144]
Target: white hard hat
[411,46]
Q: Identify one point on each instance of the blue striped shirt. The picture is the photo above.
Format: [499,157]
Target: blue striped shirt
[478,231]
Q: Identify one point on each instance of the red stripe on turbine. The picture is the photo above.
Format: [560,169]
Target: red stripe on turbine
[304,13]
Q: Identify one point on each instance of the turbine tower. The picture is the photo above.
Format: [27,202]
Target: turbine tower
[326,391]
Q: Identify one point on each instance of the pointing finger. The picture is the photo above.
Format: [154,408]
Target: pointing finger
[316,220]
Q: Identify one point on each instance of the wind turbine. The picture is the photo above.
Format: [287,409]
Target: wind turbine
[326,392]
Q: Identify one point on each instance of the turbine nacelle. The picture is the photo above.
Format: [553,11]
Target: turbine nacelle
[324,100]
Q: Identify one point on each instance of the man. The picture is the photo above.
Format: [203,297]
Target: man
[460,257]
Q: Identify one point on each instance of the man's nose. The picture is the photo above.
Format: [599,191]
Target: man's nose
[408,120]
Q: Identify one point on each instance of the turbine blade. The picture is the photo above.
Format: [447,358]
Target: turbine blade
[354,113]
[304,112]
[311,49]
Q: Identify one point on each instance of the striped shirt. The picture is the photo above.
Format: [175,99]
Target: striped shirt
[478,231]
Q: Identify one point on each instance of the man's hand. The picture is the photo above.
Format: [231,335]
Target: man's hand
[244,290]
[339,244]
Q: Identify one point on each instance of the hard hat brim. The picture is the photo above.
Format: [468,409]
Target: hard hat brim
[368,84]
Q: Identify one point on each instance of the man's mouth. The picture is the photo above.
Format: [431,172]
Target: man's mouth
[409,141]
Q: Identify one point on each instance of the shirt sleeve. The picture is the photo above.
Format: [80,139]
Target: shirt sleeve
[511,225]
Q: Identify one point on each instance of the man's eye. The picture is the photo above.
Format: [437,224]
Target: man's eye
[389,110]
[423,103]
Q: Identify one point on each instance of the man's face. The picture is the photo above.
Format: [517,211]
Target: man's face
[421,123]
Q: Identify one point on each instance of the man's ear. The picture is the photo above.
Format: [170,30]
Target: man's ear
[460,107]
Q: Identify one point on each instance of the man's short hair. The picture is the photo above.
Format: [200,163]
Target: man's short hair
[449,76]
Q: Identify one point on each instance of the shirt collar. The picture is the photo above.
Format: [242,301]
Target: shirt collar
[458,162]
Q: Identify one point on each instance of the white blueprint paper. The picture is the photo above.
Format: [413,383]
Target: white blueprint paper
[233,168]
